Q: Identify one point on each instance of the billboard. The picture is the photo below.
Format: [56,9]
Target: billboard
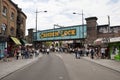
[64,33]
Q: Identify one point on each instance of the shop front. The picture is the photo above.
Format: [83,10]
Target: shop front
[12,45]
[3,45]
[112,43]
[114,46]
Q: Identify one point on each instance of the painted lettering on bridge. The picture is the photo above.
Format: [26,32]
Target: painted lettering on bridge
[60,33]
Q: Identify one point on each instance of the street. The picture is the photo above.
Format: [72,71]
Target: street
[81,69]
[63,67]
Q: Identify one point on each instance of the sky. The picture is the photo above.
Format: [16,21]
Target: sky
[61,12]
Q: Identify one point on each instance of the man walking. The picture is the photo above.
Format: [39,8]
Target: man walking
[92,53]
[76,52]
[102,52]
[48,50]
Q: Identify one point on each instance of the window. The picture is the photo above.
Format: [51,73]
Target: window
[3,28]
[4,11]
[12,30]
[12,16]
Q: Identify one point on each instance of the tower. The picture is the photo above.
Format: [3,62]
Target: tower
[91,23]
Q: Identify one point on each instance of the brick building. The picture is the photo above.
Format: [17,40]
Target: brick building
[12,24]
[95,31]
[12,19]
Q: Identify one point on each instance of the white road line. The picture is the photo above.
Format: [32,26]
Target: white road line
[59,56]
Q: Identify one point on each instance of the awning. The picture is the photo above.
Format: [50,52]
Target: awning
[98,41]
[23,41]
[106,40]
[115,39]
[16,41]
[28,44]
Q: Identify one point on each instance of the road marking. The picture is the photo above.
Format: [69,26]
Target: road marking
[60,77]
[59,56]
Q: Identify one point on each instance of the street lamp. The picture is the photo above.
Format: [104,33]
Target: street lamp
[82,20]
[56,25]
[36,22]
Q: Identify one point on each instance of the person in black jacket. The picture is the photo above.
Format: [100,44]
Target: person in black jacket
[76,53]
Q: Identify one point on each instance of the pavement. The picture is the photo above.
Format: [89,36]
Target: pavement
[109,63]
[13,65]
[7,68]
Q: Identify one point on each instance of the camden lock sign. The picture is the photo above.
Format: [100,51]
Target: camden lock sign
[72,32]
[61,33]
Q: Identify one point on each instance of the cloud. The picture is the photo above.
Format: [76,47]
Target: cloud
[60,12]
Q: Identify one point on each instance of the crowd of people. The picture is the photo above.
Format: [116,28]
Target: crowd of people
[93,52]
[20,52]
[28,52]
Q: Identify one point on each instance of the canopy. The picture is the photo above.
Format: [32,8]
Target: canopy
[98,41]
[28,44]
[23,41]
[16,41]
[106,40]
[115,39]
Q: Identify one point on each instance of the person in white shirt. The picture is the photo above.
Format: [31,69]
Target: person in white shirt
[48,50]
[102,53]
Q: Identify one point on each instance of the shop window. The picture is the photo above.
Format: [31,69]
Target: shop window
[4,11]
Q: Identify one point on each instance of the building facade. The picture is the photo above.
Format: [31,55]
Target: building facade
[12,23]
[95,31]
[11,19]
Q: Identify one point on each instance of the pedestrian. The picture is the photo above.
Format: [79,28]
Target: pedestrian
[102,53]
[107,53]
[5,55]
[16,53]
[23,52]
[76,52]
[92,53]
[79,53]
[26,53]
[96,53]
[87,51]
[48,50]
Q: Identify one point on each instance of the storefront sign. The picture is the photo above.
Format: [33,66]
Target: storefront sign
[116,39]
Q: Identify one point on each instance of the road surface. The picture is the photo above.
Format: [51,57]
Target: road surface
[63,67]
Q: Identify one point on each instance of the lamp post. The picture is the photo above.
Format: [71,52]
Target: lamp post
[56,25]
[82,23]
[36,23]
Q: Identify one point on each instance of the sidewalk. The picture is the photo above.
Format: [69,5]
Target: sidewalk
[7,68]
[112,64]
